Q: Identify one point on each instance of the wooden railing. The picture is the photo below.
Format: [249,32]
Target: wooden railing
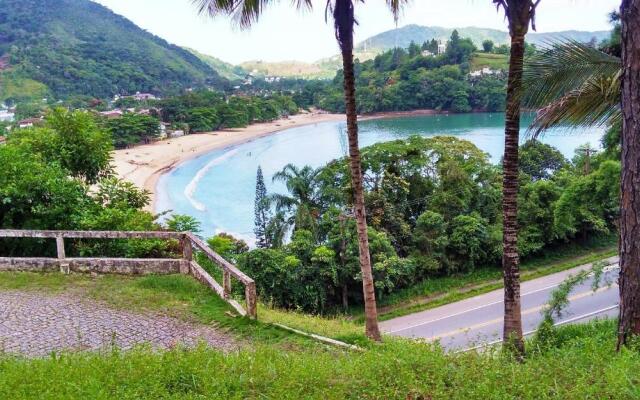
[136,266]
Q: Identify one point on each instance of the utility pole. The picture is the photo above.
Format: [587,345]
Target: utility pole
[588,152]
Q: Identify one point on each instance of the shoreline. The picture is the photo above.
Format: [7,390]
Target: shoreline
[144,165]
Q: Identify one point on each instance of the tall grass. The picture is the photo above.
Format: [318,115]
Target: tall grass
[584,367]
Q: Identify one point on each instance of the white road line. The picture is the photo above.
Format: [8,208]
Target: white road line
[607,269]
[568,321]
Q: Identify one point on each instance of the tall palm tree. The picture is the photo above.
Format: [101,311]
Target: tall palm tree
[520,14]
[248,11]
[629,321]
[303,202]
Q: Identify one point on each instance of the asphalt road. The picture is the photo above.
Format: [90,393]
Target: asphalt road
[477,321]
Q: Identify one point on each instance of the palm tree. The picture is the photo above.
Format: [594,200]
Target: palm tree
[248,11]
[303,201]
[629,321]
[572,83]
[520,14]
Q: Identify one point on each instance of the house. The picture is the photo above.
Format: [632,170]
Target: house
[176,133]
[427,53]
[113,114]
[484,71]
[2,140]
[143,96]
[442,48]
[29,122]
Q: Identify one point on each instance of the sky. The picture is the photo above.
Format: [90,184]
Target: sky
[283,33]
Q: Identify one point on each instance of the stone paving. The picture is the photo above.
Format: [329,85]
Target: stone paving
[36,324]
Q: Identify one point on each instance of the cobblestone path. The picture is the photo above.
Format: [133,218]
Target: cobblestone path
[35,324]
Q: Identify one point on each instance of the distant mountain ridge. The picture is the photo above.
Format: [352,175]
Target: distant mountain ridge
[223,68]
[77,47]
[402,37]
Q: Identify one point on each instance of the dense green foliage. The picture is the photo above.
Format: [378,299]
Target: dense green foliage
[132,128]
[73,47]
[405,79]
[581,365]
[45,185]
[206,111]
[433,210]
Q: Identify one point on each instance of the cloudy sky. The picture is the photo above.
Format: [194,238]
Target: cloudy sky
[285,34]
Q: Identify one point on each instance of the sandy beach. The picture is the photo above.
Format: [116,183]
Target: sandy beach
[143,165]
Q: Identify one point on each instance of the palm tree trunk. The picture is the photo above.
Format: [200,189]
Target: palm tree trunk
[512,334]
[629,281]
[344,23]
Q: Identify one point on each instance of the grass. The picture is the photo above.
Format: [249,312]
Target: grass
[493,61]
[584,366]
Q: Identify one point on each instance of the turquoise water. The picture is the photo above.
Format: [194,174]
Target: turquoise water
[218,188]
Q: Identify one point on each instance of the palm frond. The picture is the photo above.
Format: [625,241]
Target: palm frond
[282,202]
[563,68]
[396,7]
[243,12]
[595,103]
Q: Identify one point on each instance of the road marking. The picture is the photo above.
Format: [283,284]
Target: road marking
[500,319]
[568,321]
[606,269]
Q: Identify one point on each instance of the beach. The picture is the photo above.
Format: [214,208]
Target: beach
[143,165]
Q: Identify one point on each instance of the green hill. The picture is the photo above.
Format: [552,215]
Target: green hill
[402,37]
[292,69]
[63,48]
[223,68]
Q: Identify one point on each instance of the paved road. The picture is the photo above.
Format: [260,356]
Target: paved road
[478,320]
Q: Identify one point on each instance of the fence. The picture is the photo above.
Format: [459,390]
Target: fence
[136,266]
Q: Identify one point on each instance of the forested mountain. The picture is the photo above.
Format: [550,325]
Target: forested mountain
[402,37]
[63,48]
[407,79]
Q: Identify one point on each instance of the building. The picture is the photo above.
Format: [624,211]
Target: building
[143,96]
[442,48]
[29,122]
[113,114]
[484,71]
[2,140]
[427,53]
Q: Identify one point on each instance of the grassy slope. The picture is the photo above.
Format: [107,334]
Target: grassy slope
[585,365]
[493,61]
[225,69]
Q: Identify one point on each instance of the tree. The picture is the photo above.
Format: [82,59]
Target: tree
[303,201]
[261,209]
[520,14]
[629,321]
[73,140]
[132,128]
[487,46]
[248,11]
[539,160]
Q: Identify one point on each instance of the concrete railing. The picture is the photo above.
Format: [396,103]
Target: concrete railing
[136,266]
